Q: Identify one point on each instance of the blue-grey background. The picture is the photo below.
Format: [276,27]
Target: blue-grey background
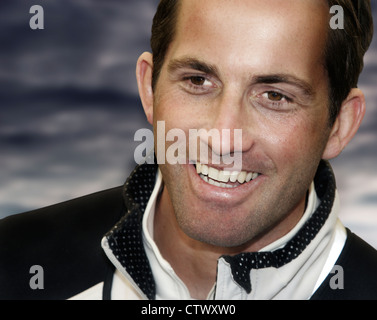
[69,107]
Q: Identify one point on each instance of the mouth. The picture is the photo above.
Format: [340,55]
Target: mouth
[224,178]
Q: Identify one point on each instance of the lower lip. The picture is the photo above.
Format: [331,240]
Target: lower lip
[209,192]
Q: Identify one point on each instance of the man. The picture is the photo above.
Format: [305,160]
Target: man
[195,229]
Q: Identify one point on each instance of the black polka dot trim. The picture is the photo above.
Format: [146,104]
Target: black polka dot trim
[125,239]
[126,242]
[243,263]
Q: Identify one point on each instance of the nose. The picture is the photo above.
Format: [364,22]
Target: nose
[229,119]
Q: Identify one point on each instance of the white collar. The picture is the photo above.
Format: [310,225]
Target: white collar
[311,206]
[168,284]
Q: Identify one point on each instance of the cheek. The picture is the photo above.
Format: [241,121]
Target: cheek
[174,109]
[180,115]
[171,128]
[295,142]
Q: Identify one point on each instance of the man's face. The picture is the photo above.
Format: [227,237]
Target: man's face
[256,66]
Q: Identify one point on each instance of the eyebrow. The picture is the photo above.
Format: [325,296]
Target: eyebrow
[305,87]
[192,63]
[195,64]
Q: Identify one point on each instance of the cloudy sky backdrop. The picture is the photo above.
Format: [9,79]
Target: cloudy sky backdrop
[69,107]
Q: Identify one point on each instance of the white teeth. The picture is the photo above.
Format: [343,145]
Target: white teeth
[233,176]
[242,177]
[213,173]
[221,178]
[198,168]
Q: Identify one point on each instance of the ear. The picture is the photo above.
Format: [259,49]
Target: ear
[346,125]
[144,70]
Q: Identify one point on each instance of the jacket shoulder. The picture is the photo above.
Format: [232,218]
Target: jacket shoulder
[64,240]
[358,265]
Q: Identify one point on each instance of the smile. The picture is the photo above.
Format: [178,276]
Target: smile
[224,179]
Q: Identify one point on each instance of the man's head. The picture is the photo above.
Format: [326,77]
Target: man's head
[258,66]
[343,54]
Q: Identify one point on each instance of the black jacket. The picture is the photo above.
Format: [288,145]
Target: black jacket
[65,240]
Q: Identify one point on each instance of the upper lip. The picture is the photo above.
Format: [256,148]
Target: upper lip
[225,167]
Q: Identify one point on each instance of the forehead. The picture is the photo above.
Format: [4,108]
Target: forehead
[299,14]
[258,32]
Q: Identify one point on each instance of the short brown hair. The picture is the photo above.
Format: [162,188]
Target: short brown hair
[344,51]
[163,32]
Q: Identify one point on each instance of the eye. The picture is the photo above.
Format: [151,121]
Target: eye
[273,100]
[197,84]
[275,96]
[197,80]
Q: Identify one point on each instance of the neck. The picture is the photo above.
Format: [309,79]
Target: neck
[193,261]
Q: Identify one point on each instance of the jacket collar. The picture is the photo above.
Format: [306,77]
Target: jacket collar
[126,241]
